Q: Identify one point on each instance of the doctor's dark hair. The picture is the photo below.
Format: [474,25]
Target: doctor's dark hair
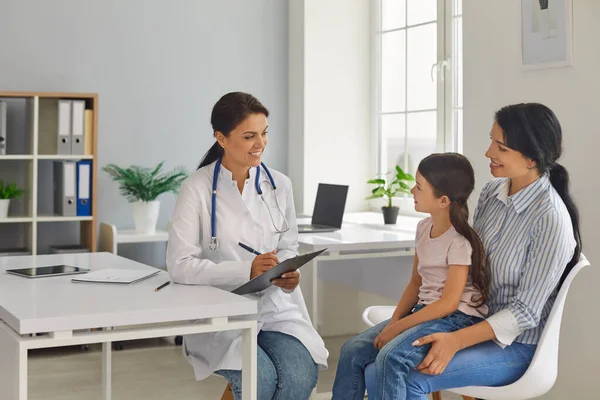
[451,174]
[533,130]
[227,114]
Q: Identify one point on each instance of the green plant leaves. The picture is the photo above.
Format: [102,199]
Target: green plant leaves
[144,184]
[391,188]
[402,176]
[10,190]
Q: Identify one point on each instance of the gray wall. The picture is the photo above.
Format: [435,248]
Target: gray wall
[158,67]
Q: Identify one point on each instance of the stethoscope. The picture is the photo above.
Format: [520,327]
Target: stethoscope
[214,242]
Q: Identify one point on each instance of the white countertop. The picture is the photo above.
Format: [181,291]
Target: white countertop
[131,236]
[374,219]
[363,231]
[57,304]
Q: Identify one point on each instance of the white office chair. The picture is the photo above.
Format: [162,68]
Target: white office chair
[541,374]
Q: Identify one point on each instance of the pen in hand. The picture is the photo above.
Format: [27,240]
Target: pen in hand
[250,249]
[162,286]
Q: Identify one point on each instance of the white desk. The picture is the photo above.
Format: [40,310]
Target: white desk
[62,313]
[375,220]
[110,237]
[363,236]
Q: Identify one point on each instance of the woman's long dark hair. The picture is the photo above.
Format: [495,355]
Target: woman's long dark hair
[451,174]
[227,114]
[533,130]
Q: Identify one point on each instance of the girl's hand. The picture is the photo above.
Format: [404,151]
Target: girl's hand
[443,348]
[384,338]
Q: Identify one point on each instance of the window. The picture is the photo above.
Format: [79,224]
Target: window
[418,76]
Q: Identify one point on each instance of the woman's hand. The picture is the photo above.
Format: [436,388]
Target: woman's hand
[443,348]
[288,281]
[263,263]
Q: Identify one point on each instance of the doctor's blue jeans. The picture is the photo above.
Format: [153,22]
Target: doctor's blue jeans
[286,370]
[390,374]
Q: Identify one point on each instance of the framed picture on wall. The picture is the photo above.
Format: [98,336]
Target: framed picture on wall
[546,33]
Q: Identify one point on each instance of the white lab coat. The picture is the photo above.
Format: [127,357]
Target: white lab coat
[240,218]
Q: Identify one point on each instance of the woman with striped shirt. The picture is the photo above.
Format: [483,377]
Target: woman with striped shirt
[529,226]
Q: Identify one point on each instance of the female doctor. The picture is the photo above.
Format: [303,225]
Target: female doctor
[233,198]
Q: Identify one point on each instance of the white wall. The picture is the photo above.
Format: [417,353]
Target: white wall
[329,98]
[158,67]
[493,78]
[330,141]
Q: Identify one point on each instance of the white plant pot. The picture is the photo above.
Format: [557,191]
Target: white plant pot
[145,216]
[4,208]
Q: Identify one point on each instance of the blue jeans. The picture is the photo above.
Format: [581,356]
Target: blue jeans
[285,369]
[485,364]
[390,367]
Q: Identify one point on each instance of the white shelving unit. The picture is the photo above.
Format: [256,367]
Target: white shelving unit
[59,157]
[32,217]
[17,157]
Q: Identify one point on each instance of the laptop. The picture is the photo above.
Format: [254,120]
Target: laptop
[329,209]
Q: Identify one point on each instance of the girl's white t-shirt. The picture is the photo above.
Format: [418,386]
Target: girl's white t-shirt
[435,255]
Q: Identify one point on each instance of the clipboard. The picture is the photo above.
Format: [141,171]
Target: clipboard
[263,281]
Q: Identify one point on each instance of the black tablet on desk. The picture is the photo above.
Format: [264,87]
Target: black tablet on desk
[263,281]
[46,271]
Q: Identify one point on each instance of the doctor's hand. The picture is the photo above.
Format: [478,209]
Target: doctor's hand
[263,263]
[288,281]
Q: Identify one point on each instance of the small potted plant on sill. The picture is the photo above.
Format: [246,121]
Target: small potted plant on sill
[141,186]
[8,191]
[390,188]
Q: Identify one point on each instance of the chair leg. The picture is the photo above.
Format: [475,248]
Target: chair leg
[438,396]
[228,393]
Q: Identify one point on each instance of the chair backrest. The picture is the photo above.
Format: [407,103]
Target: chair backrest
[375,314]
[544,366]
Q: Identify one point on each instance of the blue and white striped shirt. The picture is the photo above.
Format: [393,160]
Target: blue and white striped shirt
[528,238]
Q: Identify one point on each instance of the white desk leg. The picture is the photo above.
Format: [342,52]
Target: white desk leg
[249,358]
[107,369]
[13,366]
[315,294]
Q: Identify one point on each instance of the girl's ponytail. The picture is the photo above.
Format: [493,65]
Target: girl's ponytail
[459,218]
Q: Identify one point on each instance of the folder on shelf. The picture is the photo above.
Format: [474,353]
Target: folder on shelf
[84,188]
[64,188]
[77,127]
[3,114]
[88,118]
[54,126]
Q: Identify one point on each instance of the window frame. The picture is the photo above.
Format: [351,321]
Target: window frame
[447,77]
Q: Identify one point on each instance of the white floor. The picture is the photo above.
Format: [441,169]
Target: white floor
[149,370]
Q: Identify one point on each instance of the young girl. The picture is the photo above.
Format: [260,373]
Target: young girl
[447,290]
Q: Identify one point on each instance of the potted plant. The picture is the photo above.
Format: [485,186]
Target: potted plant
[141,186]
[8,191]
[390,188]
